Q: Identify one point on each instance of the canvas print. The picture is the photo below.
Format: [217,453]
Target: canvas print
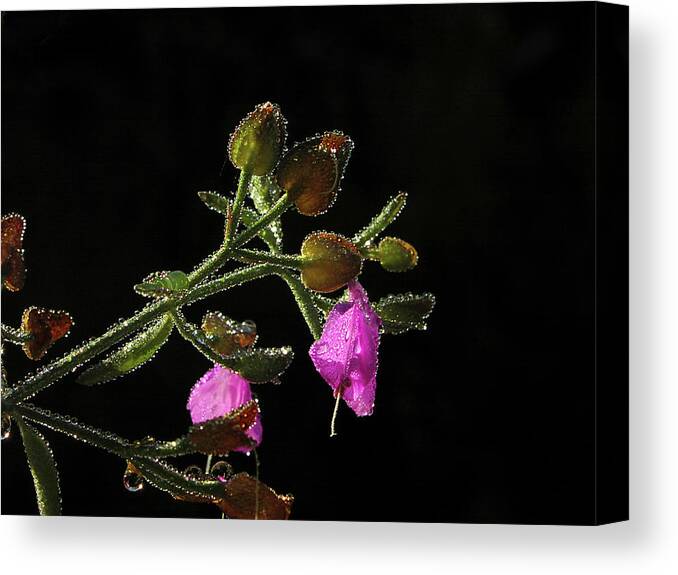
[358,263]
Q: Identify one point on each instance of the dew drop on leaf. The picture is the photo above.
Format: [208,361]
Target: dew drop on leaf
[221,470]
[132,480]
[193,472]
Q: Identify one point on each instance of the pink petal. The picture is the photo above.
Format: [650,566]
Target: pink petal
[346,355]
[219,392]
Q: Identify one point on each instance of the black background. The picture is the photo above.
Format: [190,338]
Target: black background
[112,120]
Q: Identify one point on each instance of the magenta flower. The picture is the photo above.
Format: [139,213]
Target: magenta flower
[219,392]
[346,355]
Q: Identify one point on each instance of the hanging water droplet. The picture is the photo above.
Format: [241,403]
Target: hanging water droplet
[193,472]
[221,470]
[132,480]
[6,425]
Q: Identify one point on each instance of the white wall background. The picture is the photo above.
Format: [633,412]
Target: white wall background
[647,544]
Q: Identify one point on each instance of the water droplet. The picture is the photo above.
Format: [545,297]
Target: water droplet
[6,425]
[221,470]
[132,480]
[193,472]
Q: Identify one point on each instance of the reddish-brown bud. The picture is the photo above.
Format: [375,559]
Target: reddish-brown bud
[44,327]
[330,261]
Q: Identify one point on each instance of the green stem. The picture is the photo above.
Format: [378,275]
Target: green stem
[274,213]
[379,223]
[60,367]
[259,257]
[305,302]
[218,258]
[240,195]
[324,303]
[14,335]
[191,334]
[99,438]
[83,353]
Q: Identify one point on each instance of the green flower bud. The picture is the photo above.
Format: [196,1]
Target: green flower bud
[396,255]
[258,140]
[330,261]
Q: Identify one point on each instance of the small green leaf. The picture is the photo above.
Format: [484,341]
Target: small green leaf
[400,313]
[215,202]
[43,469]
[131,355]
[161,284]
[382,220]
[167,478]
[260,365]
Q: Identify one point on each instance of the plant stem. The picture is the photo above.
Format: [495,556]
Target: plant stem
[256,485]
[333,432]
[14,335]
[305,302]
[259,257]
[379,223]
[277,210]
[191,334]
[60,367]
[218,258]
[240,195]
[79,355]
[101,439]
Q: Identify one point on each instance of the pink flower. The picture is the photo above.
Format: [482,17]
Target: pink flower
[346,355]
[219,392]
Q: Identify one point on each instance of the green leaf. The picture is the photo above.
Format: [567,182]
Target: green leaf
[215,202]
[131,355]
[260,365]
[161,284]
[400,313]
[43,469]
[382,220]
[257,365]
[167,478]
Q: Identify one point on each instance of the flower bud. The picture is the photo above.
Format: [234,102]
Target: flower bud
[330,261]
[396,255]
[337,143]
[309,175]
[310,172]
[258,140]
[45,327]
[11,248]
[227,336]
